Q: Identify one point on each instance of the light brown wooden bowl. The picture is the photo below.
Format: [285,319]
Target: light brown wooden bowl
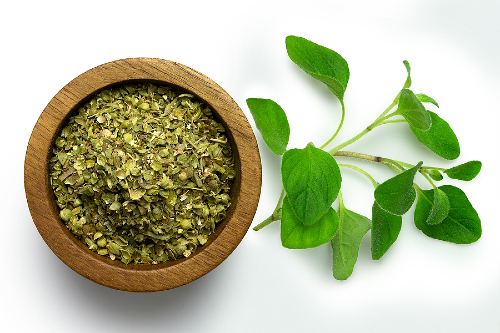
[146,277]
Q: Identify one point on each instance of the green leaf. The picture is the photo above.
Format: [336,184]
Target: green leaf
[345,245]
[408,77]
[396,195]
[435,174]
[311,179]
[440,205]
[413,111]
[272,123]
[320,62]
[115,206]
[461,226]
[385,230]
[439,138]
[426,99]
[466,171]
[297,235]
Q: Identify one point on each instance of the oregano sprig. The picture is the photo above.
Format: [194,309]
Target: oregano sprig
[311,176]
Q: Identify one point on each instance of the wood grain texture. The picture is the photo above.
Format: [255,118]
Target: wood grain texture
[114,274]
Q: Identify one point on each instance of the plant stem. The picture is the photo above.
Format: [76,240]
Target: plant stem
[392,164]
[395,113]
[360,170]
[264,223]
[339,127]
[425,167]
[392,121]
[389,108]
[426,176]
[351,140]
[360,156]
[381,120]
[275,216]
[341,201]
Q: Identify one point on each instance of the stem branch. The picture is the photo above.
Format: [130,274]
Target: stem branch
[392,121]
[393,164]
[352,140]
[360,156]
[389,108]
[381,120]
[426,176]
[360,170]
[275,216]
[339,127]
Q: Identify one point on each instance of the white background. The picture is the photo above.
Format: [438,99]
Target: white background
[421,285]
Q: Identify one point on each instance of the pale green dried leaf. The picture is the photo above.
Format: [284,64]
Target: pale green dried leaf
[142,173]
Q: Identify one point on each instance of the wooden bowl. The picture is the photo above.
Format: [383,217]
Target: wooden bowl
[141,277]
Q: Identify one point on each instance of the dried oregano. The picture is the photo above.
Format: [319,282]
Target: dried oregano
[142,173]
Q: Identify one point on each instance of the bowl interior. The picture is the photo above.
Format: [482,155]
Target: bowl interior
[234,192]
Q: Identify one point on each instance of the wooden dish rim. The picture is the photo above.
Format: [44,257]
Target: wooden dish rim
[115,274]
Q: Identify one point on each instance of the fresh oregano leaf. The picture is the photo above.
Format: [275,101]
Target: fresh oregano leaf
[345,245]
[440,205]
[408,77]
[297,235]
[311,179]
[467,171]
[413,110]
[320,62]
[426,99]
[439,138]
[385,230]
[272,123]
[396,195]
[461,226]
[435,174]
